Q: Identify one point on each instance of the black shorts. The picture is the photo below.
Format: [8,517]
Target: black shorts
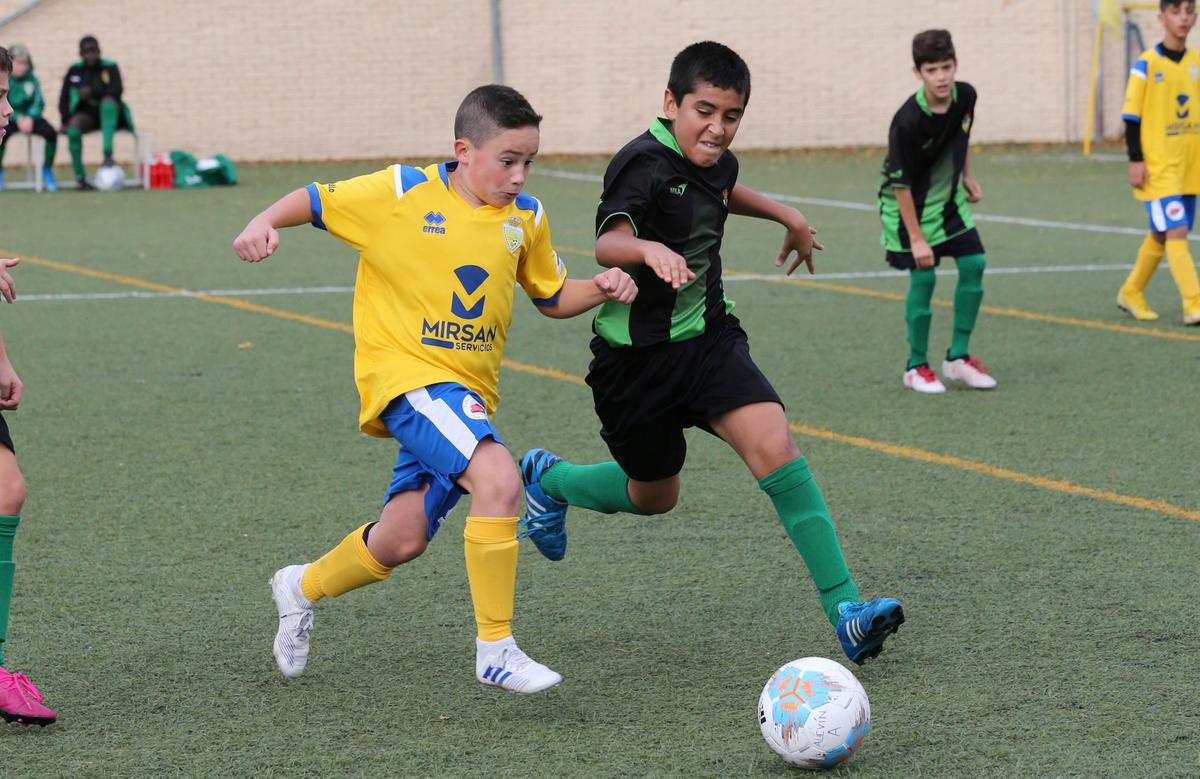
[646,396]
[963,245]
[5,436]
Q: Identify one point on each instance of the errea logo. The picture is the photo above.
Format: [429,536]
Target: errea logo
[434,221]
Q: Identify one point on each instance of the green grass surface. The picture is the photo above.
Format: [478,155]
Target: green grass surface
[178,451]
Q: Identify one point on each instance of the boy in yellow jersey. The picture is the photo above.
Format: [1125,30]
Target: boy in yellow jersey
[441,249]
[1162,135]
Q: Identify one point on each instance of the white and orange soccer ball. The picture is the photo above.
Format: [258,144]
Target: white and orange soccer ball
[814,713]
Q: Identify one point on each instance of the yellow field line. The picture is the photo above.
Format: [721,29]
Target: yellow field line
[1015,313]
[896,450]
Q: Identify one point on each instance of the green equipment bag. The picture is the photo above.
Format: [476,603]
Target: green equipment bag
[217,171]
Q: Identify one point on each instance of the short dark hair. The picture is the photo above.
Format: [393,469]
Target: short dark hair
[489,110]
[89,41]
[932,46]
[712,63]
[1165,4]
[5,61]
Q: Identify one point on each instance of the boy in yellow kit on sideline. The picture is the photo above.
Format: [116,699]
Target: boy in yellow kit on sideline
[441,249]
[1162,136]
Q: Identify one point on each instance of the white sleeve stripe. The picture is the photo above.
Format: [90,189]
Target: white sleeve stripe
[396,173]
[537,215]
[1137,73]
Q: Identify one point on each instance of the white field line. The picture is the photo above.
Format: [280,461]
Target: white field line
[727,276]
[216,293]
[901,274]
[846,204]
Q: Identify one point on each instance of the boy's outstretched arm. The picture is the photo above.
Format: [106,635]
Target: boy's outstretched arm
[799,238]
[260,237]
[619,247]
[579,295]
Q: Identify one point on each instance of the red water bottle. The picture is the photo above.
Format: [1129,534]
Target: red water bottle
[168,172]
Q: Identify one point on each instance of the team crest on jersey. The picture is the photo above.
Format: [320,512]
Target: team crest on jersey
[1158,77]
[29,88]
[104,77]
[966,123]
[514,235]
[472,408]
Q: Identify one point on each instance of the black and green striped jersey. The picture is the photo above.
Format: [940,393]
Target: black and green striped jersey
[926,155]
[669,200]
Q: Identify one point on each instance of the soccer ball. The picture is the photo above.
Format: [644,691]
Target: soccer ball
[110,178]
[814,713]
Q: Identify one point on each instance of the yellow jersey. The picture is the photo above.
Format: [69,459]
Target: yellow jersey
[1164,97]
[434,292]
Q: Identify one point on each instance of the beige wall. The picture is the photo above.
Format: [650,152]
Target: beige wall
[354,79]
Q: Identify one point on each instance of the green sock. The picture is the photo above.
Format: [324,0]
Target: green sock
[75,146]
[108,124]
[51,147]
[602,487]
[8,529]
[805,517]
[918,314]
[967,297]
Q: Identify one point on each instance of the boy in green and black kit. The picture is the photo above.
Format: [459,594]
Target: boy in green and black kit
[923,203]
[678,358]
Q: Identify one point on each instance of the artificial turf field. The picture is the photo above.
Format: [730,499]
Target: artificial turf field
[178,449]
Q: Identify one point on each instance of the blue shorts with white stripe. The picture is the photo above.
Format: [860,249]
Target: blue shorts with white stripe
[438,428]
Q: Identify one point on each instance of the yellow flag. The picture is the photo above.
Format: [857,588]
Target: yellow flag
[1110,15]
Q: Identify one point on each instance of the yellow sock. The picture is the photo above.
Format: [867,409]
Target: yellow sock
[1184,271]
[347,566]
[491,551]
[1149,254]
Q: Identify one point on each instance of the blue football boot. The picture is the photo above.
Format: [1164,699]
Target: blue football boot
[48,181]
[862,627]
[545,518]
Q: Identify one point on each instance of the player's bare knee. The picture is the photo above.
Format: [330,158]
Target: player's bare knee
[501,495]
[772,452]
[656,500]
[12,493]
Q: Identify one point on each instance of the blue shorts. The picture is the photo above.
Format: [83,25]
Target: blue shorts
[438,428]
[1170,212]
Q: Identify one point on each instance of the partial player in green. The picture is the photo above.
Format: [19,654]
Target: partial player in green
[25,95]
[90,100]
[1162,136]
[924,205]
[678,357]
[20,700]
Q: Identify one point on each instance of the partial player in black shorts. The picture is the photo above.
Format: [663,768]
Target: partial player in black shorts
[646,397]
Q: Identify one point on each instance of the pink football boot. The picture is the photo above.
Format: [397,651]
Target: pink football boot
[21,702]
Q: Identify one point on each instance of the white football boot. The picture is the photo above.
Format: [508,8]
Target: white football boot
[970,371]
[923,379]
[295,621]
[503,664]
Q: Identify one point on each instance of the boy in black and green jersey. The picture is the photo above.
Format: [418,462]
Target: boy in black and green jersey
[91,99]
[678,358]
[923,203]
